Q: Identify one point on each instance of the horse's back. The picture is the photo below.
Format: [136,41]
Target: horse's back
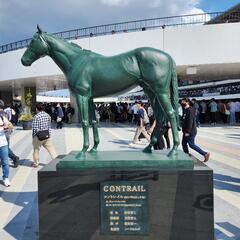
[152,55]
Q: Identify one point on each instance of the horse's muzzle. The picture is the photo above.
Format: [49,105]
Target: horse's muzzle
[25,62]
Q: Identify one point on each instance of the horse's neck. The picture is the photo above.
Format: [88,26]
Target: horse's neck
[62,52]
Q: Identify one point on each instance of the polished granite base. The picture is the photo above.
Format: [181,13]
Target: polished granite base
[180,202]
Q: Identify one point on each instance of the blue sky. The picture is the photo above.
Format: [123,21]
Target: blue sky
[18,19]
[217,5]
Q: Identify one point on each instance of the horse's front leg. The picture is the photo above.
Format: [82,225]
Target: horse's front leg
[92,115]
[83,107]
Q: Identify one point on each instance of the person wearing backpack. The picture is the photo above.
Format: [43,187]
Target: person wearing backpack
[142,121]
[4,147]
[8,114]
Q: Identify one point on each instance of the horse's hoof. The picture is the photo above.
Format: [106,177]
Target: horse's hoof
[93,151]
[81,156]
[147,149]
[172,154]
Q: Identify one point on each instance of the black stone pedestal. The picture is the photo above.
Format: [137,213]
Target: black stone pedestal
[180,203]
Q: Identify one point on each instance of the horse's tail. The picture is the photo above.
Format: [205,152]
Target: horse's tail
[174,93]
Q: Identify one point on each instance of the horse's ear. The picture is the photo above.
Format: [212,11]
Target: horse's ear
[39,29]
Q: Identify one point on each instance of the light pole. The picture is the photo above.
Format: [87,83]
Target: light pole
[163,28]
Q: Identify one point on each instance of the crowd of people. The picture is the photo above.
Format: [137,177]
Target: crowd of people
[207,111]
[59,112]
[192,114]
[217,111]
[134,98]
[202,92]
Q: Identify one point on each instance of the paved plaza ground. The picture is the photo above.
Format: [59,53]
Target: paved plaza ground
[18,203]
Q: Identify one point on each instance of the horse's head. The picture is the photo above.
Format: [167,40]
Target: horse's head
[37,48]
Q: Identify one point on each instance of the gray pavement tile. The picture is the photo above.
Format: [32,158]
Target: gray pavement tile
[23,224]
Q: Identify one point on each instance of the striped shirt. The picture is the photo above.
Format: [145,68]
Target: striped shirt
[41,122]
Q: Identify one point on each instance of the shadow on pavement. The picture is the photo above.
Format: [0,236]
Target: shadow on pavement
[18,223]
[222,228]
[226,182]
[235,136]
[128,144]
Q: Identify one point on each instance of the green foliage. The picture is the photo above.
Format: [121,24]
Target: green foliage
[27,115]
[28,99]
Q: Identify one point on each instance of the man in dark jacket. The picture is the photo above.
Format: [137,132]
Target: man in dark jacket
[189,130]
[60,115]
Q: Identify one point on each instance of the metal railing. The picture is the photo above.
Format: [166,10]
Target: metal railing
[131,26]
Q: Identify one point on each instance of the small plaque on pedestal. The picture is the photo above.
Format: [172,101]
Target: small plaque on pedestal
[124,208]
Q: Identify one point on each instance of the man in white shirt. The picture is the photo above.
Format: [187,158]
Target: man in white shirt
[142,121]
[232,108]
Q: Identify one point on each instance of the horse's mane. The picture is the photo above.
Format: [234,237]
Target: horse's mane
[73,45]
[87,51]
[64,41]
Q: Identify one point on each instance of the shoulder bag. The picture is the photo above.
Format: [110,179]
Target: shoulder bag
[43,135]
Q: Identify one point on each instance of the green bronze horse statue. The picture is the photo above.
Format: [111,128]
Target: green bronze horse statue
[92,75]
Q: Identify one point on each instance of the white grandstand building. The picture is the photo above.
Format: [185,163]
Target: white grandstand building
[205,48]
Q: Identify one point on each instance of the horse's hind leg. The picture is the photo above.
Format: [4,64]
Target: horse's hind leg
[83,107]
[159,115]
[167,106]
[93,120]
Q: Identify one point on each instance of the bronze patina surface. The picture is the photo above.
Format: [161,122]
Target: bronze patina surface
[129,160]
[91,75]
